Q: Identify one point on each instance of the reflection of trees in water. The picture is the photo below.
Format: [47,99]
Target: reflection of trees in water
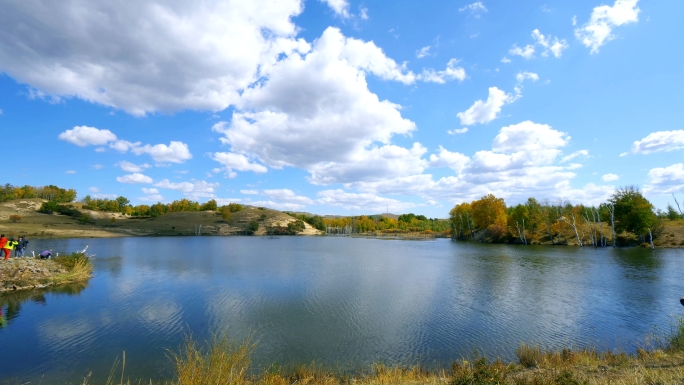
[639,259]
[10,303]
[113,265]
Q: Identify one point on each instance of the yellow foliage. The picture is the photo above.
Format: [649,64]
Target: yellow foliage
[489,210]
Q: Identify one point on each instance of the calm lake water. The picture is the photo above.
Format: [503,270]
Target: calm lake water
[345,302]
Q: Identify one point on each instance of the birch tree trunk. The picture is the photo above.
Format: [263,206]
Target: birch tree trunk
[650,237]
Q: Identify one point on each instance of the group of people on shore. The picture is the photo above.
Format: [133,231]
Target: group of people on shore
[7,245]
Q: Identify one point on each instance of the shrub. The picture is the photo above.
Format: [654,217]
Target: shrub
[112,219]
[252,227]
[14,218]
[48,207]
[84,218]
[295,227]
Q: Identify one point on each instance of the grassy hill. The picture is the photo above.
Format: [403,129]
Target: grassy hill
[38,225]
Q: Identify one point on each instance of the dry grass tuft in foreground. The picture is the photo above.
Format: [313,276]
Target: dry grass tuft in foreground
[226,360]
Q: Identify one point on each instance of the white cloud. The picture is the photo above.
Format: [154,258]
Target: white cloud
[193,190]
[505,60]
[232,161]
[358,202]
[666,180]
[87,136]
[150,190]
[134,178]
[421,53]
[659,141]
[598,30]
[315,112]
[458,131]
[522,163]
[445,158]
[483,112]
[123,145]
[287,196]
[528,137]
[574,21]
[94,189]
[131,167]
[363,13]
[249,192]
[450,73]
[526,52]
[574,166]
[209,52]
[580,153]
[70,172]
[475,8]
[341,7]
[152,198]
[175,152]
[609,177]
[522,76]
[549,44]
[97,166]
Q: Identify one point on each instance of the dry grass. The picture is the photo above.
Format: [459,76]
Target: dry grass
[226,360]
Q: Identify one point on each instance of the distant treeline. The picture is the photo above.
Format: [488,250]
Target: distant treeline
[610,223]
[51,193]
[406,222]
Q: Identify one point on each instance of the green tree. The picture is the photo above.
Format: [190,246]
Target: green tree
[123,202]
[633,212]
[672,214]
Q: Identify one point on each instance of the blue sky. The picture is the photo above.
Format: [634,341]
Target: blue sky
[343,106]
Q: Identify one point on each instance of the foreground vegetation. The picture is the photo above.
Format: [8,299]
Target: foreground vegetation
[225,360]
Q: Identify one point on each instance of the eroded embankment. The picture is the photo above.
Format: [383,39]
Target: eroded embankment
[34,273]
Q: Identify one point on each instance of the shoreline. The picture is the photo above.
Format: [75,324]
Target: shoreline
[28,273]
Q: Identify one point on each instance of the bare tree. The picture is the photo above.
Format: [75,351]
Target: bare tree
[574,226]
[678,208]
[519,233]
[611,208]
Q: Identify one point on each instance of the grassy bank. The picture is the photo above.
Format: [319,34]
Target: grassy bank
[224,360]
[31,273]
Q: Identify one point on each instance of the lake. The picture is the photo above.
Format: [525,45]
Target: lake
[343,302]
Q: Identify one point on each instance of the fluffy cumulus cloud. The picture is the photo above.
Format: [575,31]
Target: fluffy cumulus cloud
[315,112]
[524,161]
[599,29]
[548,45]
[609,177]
[194,189]
[659,141]
[482,112]
[134,178]
[237,162]
[452,72]
[87,136]
[341,7]
[445,158]
[209,53]
[175,152]
[665,180]
[151,195]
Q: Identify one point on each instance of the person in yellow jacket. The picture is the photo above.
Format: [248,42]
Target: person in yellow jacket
[9,246]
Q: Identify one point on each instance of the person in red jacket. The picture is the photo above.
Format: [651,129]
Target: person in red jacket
[3,243]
